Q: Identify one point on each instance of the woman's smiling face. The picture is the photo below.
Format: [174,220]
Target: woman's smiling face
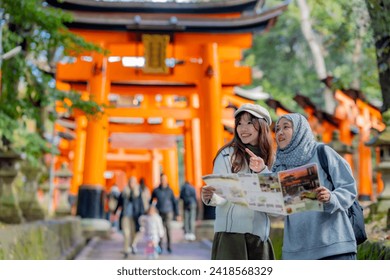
[284,131]
[247,131]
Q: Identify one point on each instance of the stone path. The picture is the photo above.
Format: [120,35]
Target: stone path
[111,248]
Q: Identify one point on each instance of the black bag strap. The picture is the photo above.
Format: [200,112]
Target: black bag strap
[324,162]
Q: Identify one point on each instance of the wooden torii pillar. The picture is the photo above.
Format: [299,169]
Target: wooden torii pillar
[79,152]
[90,196]
[366,120]
[365,165]
[365,117]
[346,112]
[379,126]
[69,144]
[210,105]
[170,156]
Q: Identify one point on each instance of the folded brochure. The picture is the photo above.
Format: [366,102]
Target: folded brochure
[284,193]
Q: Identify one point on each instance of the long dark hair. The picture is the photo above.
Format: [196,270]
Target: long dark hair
[264,144]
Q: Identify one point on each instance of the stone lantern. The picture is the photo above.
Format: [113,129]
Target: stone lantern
[29,202]
[383,142]
[46,200]
[64,176]
[10,211]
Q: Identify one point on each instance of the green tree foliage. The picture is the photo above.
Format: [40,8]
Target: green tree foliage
[28,93]
[286,65]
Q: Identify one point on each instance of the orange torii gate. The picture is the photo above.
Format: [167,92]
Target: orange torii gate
[367,117]
[351,111]
[176,65]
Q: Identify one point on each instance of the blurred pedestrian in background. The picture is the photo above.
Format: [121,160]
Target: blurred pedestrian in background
[130,201]
[188,196]
[153,231]
[166,206]
[145,193]
[112,202]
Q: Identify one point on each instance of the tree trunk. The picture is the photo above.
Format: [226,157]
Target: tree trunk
[384,74]
[379,11]
[356,57]
[360,13]
[315,48]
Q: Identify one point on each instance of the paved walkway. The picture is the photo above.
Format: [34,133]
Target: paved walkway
[111,248]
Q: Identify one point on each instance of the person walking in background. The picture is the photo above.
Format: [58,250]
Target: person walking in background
[145,193]
[240,232]
[166,205]
[112,202]
[153,231]
[188,196]
[130,201]
[313,234]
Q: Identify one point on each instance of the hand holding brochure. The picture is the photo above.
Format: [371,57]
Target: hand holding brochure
[284,193]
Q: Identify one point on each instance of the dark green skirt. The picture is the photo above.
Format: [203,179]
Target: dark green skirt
[240,246]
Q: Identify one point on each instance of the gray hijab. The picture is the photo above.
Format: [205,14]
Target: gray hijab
[301,148]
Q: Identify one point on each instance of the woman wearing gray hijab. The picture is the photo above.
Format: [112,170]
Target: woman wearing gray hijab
[314,234]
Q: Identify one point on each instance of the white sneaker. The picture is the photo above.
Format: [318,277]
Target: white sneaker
[192,237]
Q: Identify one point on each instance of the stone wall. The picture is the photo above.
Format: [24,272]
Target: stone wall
[57,239]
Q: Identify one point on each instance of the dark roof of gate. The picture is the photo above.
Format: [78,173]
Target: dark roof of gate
[171,17]
[155,7]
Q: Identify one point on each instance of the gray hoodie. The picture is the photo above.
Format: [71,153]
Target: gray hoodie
[314,235]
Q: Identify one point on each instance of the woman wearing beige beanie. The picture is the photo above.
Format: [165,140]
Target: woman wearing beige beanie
[240,232]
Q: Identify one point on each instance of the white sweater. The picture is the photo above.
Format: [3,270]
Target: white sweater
[232,217]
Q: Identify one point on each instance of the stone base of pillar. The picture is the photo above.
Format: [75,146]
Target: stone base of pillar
[90,202]
[364,197]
